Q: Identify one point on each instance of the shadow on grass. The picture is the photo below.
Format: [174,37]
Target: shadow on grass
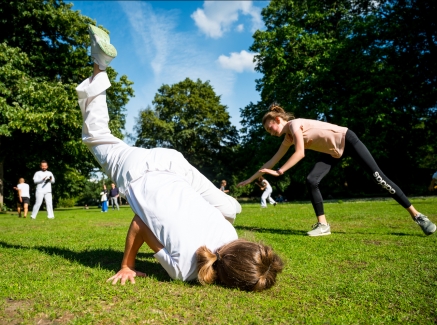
[338,232]
[366,233]
[272,230]
[107,259]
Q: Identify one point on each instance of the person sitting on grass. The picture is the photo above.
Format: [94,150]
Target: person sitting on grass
[179,213]
[334,142]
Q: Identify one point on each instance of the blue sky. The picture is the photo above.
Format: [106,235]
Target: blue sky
[164,42]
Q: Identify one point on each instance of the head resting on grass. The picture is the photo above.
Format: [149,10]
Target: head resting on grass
[276,111]
[239,264]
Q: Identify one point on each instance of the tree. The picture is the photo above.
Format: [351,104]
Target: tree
[370,66]
[43,56]
[188,117]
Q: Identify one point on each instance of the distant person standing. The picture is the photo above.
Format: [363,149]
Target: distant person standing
[114,194]
[433,183]
[43,180]
[223,186]
[104,199]
[23,197]
[265,186]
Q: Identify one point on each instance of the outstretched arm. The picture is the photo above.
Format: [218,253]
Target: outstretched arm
[272,162]
[138,234]
[297,156]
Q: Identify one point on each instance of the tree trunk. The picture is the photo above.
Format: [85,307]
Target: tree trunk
[1,184]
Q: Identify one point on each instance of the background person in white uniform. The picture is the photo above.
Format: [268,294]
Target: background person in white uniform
[265,186]
[179,213]
[43,180]
[23,195]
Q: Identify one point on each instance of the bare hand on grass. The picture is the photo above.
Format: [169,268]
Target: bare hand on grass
[126,273]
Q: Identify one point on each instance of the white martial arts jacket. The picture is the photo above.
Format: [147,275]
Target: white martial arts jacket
[39,179]
[180,206]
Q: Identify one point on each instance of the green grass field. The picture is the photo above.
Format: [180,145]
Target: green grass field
[377,267]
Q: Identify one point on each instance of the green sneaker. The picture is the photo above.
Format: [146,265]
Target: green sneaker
[427,226]
[102,51]
[319,229]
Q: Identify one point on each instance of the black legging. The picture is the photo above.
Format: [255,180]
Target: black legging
[357,150]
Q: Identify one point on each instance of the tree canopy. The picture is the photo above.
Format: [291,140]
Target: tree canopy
[370,66]
[43,56]
[189,117]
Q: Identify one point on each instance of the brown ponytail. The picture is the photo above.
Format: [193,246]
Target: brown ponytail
[239,264]
[205,262]
[276,111]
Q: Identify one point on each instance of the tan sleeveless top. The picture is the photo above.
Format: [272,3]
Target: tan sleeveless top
[319,136]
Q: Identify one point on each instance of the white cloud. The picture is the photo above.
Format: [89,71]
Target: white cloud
[151,33]
[238,61]
[239,28]
[172,55]
[217,17]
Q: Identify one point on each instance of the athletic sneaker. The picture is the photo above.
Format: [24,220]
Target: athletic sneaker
[102,51]
[427,226]
[319,229]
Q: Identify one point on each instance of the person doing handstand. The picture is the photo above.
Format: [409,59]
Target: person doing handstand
[334,142]
[179,213]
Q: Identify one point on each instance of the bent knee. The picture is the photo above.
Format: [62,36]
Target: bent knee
[312,181]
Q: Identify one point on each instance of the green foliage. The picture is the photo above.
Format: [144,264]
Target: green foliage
[92,188]
[376,268]
[43,56]
[3,208]
[237,192]
[367,65]
[188,117]
[67,202]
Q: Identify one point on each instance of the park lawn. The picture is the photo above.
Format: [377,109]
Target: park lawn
[377,267]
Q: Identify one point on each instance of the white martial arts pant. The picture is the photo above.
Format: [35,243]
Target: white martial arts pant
[39,196]
[266,195]
[124,163]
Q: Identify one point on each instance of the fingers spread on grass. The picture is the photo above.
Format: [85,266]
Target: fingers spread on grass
[129,277]
[125,274]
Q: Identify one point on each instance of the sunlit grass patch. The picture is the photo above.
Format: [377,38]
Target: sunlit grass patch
[376,267]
